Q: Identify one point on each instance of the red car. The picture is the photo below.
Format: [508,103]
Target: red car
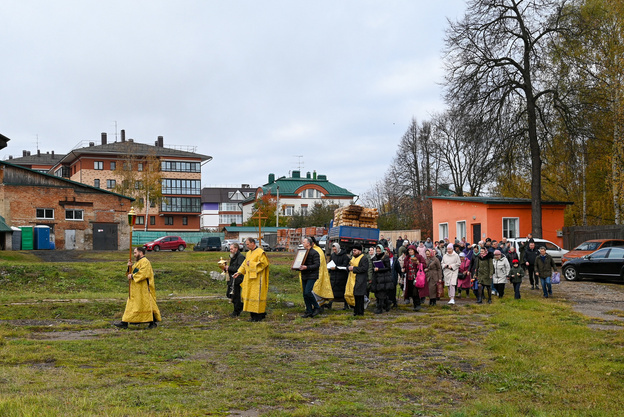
[590,246]
[166,243]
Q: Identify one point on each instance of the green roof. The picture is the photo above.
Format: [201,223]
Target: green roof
[247,229]
[3,226]
[499,200]
[289,186]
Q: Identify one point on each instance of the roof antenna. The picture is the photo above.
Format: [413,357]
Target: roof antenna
[300,163]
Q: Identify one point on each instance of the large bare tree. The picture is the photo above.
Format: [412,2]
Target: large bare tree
[497,66]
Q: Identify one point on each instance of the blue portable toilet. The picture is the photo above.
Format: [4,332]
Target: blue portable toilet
[42,238]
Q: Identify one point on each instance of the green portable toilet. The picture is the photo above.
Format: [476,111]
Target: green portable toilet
[27,238]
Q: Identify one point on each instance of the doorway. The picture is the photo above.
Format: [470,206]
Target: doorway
[476,232]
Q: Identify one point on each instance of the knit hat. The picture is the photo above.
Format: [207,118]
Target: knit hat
[462,255]
[497,252]
[449,246]
[358,247]
[515,261]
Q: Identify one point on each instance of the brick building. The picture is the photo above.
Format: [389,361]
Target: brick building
[41,162]
[79,216]
[179,209]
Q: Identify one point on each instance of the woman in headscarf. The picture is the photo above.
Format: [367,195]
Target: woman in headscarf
[450,268]
[396,270]
[337,276]
[410,267]
[434,275]
[484,269]
[463,279]
[501,271]
[382,279]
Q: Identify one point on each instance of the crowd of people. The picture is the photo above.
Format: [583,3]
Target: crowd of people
[411,273]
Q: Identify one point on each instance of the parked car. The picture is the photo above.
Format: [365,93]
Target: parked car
[553,250]
[323,242]
[225,246]
[208,243]
[166,243]
[605,263]
[590,246]
[263,244]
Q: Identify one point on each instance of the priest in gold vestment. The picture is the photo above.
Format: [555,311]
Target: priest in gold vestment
[255,285]
[141,305]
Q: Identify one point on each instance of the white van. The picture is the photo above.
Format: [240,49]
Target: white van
[553,250]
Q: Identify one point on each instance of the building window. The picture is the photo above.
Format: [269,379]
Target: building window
[170,186]
[96,183]
[230,218]
[229,207]
[140,220]
[443,229]
[98,165]
[47,214]
[152,220]
[173,166]
[140,166]
[460,230]
[113,165]
[185,221]
[511,227]
[72,214]
[304,210]
[168,220]
[288,210]
[138,184]
[181,204]
[111,184]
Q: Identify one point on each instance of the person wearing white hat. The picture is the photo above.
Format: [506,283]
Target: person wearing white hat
[450,269]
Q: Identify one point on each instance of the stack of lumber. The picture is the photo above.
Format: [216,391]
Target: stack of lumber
[356,216]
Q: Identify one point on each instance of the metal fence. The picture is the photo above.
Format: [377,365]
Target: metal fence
[139,238]
[575,235]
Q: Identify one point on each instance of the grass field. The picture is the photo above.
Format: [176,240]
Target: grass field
[60,356]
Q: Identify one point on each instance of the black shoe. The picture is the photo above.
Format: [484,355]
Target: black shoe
[328,306]
[121,324]
[346,306]
[378,311]
[490,301]
[479,301]
[152,325]
[234,314]
[306,315]
[316,312]
[417,308]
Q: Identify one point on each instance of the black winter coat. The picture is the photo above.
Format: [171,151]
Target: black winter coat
[361,276]
[382,278]
[312,263]
[338,277]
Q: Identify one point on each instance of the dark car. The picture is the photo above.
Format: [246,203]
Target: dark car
[606,263]
[208,243]
[166,243]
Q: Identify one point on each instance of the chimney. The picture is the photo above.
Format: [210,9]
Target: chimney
[91,143]
[308,175]
[123,135]
[28,154]
[271,178]
[314,174]
[38,153]
[160,142]
[296,174]
[103,138]
[10,156]
[52,154]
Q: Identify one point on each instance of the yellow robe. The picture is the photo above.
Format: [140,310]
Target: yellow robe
[348,296]
[141,305]
[255,285]
[322,287]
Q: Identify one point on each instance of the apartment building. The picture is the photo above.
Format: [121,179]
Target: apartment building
[109,164]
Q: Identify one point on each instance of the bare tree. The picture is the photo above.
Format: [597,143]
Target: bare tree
[496,59]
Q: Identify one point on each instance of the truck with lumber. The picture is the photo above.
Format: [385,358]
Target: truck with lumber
[353,225]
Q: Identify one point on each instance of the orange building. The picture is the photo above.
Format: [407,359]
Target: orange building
[477,218]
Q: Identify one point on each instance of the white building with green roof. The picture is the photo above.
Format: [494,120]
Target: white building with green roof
[297,194]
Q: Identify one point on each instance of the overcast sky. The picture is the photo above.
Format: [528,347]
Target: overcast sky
[251,83]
